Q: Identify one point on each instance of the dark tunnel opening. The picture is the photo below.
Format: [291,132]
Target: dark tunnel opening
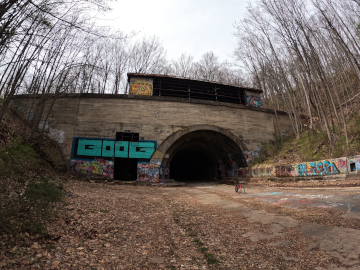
[192,165]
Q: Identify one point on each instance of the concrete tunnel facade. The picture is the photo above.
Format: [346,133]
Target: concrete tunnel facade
[179,138]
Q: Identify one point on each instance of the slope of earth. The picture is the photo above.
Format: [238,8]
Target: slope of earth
[313,146]
[49,154]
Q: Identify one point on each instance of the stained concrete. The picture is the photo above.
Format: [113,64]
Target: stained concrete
[341,243]
[155,118]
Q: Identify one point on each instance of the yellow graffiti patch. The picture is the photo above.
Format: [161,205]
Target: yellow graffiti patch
[141,88]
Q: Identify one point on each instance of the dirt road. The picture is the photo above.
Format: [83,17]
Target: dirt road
[200,226]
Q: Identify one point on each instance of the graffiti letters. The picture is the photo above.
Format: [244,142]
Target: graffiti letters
[148,172]
[141,88]
[317,168]
[109,148]
[101,166]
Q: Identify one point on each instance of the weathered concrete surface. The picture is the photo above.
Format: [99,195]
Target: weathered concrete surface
[346,199]
[155,118]
[338,242]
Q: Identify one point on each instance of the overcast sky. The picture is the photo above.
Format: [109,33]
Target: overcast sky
[193,26]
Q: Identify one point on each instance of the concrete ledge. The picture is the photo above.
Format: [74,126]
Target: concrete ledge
[314,178]
[154,98]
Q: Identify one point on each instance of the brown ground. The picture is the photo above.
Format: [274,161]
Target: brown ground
[129,227]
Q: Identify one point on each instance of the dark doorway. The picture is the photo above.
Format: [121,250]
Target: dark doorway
[352,167]
[125,169]
[192,164]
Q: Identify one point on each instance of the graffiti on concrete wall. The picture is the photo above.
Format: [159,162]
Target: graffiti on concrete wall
[316,168]
[100,167]
[155,161]
[164,172]
[229,166]
[286,171]
[253,101]
[354,164]
[341,164]
[20,107]
[57,135]
[148,172]
[83,148]
[141,88]
[250,155]
[326,167]
[238,161]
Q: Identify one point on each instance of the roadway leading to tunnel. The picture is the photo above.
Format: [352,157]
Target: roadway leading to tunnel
[199,226]
[339,242]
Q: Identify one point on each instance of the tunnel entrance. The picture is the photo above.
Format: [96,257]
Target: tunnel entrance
[203,155]
[192,164]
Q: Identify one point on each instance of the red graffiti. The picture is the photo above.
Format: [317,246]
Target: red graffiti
[305,201]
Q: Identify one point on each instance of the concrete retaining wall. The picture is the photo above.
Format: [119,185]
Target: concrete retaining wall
[343,165]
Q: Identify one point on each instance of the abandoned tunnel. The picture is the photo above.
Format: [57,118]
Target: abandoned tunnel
[203,155]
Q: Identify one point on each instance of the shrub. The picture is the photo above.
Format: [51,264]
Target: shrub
[17,159]
[270,150]
[26,202]
[30,210]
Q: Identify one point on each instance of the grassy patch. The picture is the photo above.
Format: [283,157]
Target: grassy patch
[198,242]
[309,146]
[27,201]
[17,159]
[210,259]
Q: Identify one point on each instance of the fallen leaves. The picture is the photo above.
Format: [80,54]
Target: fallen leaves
[150,228]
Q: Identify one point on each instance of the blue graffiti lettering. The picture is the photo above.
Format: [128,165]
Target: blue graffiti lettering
[120,149]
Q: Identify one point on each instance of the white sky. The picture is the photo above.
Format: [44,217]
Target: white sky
[192,26]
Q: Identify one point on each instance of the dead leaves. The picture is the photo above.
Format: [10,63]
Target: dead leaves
[144,229]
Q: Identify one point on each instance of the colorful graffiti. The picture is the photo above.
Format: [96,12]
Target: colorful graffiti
[141,88]
[250,155]
[148,172]
[317,168]
[322,167]
[83,148]
[155,161]
[99,167]
[286,171]
[253,101]
[231,165]
[238,161]
[164,172]
[325,167]
[354,164]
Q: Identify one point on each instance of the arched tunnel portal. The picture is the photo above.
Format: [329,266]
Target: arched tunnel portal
[204,155]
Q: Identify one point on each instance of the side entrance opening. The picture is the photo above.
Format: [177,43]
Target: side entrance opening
[125,169]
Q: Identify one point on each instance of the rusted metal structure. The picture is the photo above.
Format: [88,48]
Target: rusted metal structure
[170,86]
